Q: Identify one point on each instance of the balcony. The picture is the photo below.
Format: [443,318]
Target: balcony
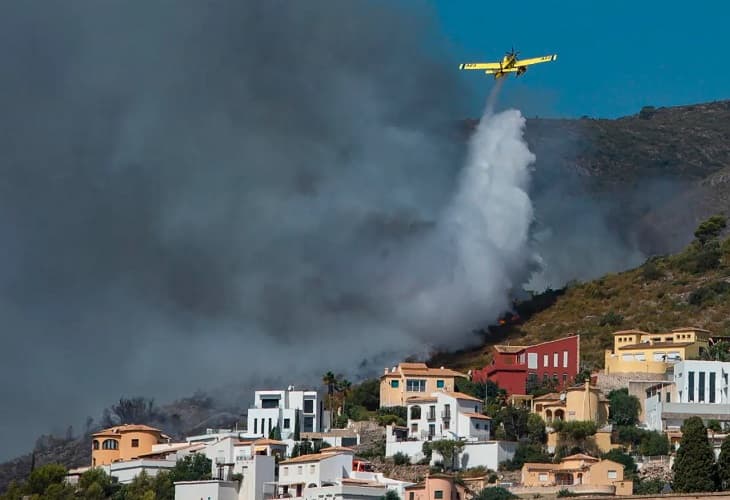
[446,415]
[431,416]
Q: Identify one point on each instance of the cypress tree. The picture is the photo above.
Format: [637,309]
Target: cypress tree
[694,467]
[297,432]
[723,464]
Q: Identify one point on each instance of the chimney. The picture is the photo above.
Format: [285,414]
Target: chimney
[393,370]
[386,371]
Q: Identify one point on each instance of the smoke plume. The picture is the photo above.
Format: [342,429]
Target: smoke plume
[196,194]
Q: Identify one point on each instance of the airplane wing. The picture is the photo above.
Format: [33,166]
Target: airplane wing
[534,60]
[480,66]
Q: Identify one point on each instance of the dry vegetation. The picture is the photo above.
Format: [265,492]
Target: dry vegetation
[658,296]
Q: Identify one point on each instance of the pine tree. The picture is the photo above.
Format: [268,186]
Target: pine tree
[694,468]
[723,464]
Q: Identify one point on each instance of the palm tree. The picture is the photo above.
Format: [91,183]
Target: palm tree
[330,381]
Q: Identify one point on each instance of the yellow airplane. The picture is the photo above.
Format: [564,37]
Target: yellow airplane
[508,64]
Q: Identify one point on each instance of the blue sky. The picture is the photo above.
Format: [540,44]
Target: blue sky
[613,56]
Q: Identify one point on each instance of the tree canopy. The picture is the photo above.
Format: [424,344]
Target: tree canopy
[623,407]
[694,466]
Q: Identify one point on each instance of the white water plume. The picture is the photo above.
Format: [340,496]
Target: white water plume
[483,234]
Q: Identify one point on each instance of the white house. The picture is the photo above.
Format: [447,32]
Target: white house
[328,475]
[447,415]
[281,408]
[213,489]
[316,470]
[697,388]
[255,471]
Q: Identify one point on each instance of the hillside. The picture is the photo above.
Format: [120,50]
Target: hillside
[187,416]
[665,293]
[658,172]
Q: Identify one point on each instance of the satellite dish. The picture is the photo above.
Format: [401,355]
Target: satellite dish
[562,396]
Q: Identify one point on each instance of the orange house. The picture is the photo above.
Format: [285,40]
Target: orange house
[124,442]
[436,487]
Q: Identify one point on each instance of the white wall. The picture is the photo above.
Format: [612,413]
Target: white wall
[256,471]
[485,454]
[127,470]
[208,490]
[414,449]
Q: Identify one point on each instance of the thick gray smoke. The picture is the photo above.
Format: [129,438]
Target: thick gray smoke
[197,194]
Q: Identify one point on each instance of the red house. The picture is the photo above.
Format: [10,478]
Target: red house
[517,369]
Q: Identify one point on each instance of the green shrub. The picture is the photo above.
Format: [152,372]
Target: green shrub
[708,293]
[566,493]
[650,271]
[610,319]
[401,458]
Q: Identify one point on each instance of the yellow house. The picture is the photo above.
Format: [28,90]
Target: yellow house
[124,442]
[414,379]
[637,351]
[582,402]
[606,476]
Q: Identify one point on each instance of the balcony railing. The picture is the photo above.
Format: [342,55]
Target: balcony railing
[446,415]
[430,416]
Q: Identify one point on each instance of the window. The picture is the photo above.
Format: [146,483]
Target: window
[612,474]
[522,358]
[543,477]
[447,424]
[308,424]
[270,426]
[691,384]
[438,494]
[545,360]
[269,403]
[96,444]
[565,359]
[545,378]
[308,406]
[300,470]
[555,360]
[439,384]
[712,387]
[415,412]
[135,443]
[286,471]
[702,387]
[312,469]
[565,378]
[532,360]
[668,398]
[432,413]
[394,384]
[476,426]
[287,423]
[255,426]
[411,496]
[415,385]
[414,428]
[110,444]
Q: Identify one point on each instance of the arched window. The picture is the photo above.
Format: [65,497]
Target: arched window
[95,445]
[415,412]
[110,444]
[548,415]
